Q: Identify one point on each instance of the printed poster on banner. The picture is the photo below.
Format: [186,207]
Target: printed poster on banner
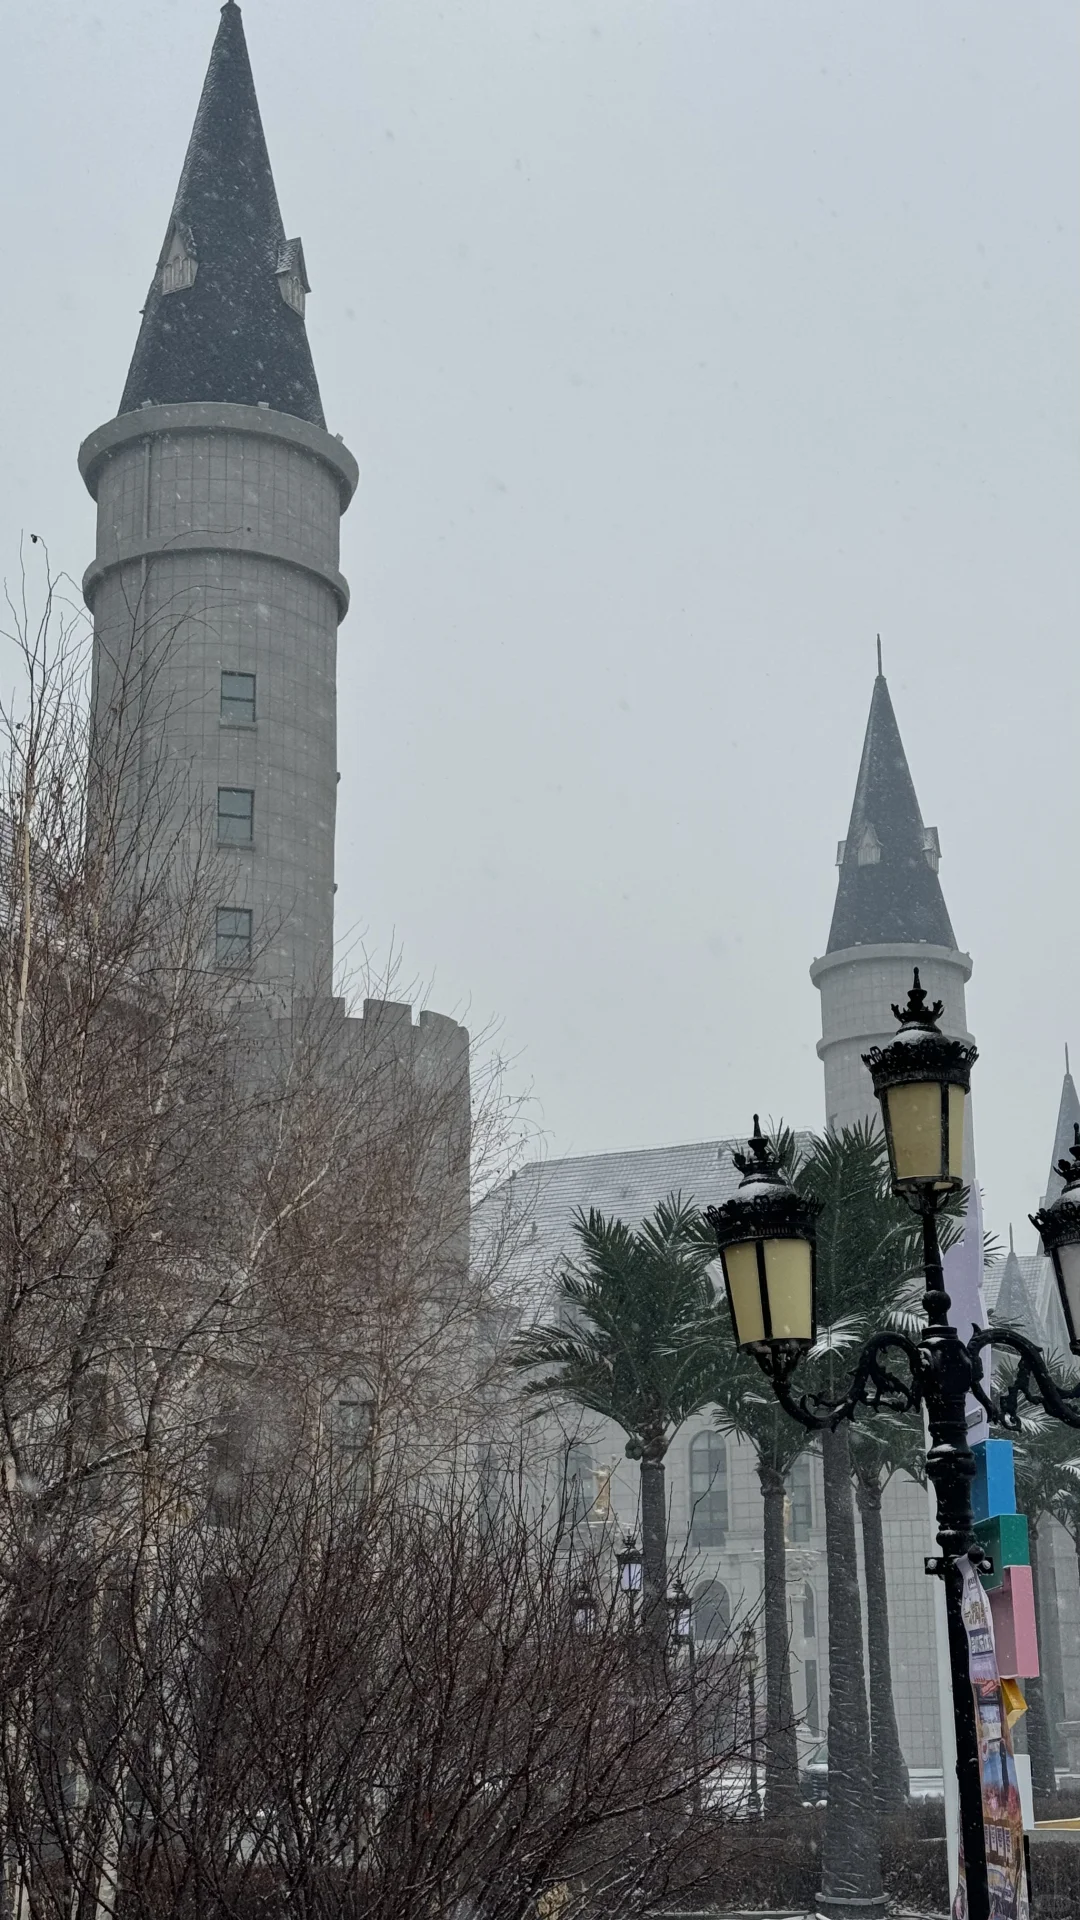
[1003,1821]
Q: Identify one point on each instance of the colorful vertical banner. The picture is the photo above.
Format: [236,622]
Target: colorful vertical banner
[1003,1822]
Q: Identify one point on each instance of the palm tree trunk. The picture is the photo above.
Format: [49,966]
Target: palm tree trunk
[1040,1741]
[781,1747]
[890,1772]
[851,1853]
[654,1548]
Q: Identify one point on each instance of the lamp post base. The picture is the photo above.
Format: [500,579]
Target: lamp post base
[850,1906]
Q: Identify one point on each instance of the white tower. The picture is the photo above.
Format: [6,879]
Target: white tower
[889,918]
[215,590]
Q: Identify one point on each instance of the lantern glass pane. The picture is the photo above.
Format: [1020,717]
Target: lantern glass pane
[915,1125]
[1069,1259]
[741,1272]
[956,1132]
[790,1275]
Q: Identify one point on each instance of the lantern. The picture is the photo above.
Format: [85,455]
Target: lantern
[922,1080]
[583,1610]
[628,1561]
[1059,1227]
[766,1238]
[681,1609]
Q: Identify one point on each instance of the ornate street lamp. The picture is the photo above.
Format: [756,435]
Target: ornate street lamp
[1058,1226]
[628,1561]
[921,1079]
[582,1610]
[766,1240]
[681,1609]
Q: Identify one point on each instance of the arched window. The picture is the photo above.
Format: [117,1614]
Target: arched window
[809,1613]
[712,1612]
[708,1490]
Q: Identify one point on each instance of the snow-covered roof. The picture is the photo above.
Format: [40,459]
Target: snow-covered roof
[536,1208]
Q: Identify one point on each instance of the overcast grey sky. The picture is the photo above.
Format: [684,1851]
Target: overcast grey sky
[684,345]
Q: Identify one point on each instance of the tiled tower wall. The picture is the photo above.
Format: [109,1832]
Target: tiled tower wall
[858,987]
[217,551]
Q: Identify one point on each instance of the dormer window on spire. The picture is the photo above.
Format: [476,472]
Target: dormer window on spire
[931,847]
[868,852]
[180,265]
[292,277]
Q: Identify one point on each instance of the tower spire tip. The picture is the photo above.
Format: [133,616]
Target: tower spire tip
[879,656]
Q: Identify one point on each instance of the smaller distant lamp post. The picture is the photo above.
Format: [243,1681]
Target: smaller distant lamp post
[628,1562]
[749,1652]
[681,1609]
[583,1610]
[682,1616]
[1058,1226]
[767,1252]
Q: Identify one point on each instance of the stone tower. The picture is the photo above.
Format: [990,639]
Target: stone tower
[215,589]
[889,917]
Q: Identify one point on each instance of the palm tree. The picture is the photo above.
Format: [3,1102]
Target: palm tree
[635,1342]
[747,1409]
[883,1446]
[867,1244]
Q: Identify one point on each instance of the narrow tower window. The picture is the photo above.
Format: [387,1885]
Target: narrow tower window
[238,699]
[232,931]
[235,816]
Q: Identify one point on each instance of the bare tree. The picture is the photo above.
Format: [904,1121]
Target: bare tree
[379,1706]
[219,1231]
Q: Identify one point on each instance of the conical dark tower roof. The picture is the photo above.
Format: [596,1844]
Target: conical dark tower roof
[226,330]
[1068,1118]
[889,889]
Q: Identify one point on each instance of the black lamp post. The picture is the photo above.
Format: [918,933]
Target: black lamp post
[681,1609]
[749,1654]
[766,1240]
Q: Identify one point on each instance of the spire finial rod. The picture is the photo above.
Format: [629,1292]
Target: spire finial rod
[879,656]
[1066,1056]
[1012,1249]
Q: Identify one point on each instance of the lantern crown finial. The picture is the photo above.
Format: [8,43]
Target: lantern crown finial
[917,1013]
[761,1162]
